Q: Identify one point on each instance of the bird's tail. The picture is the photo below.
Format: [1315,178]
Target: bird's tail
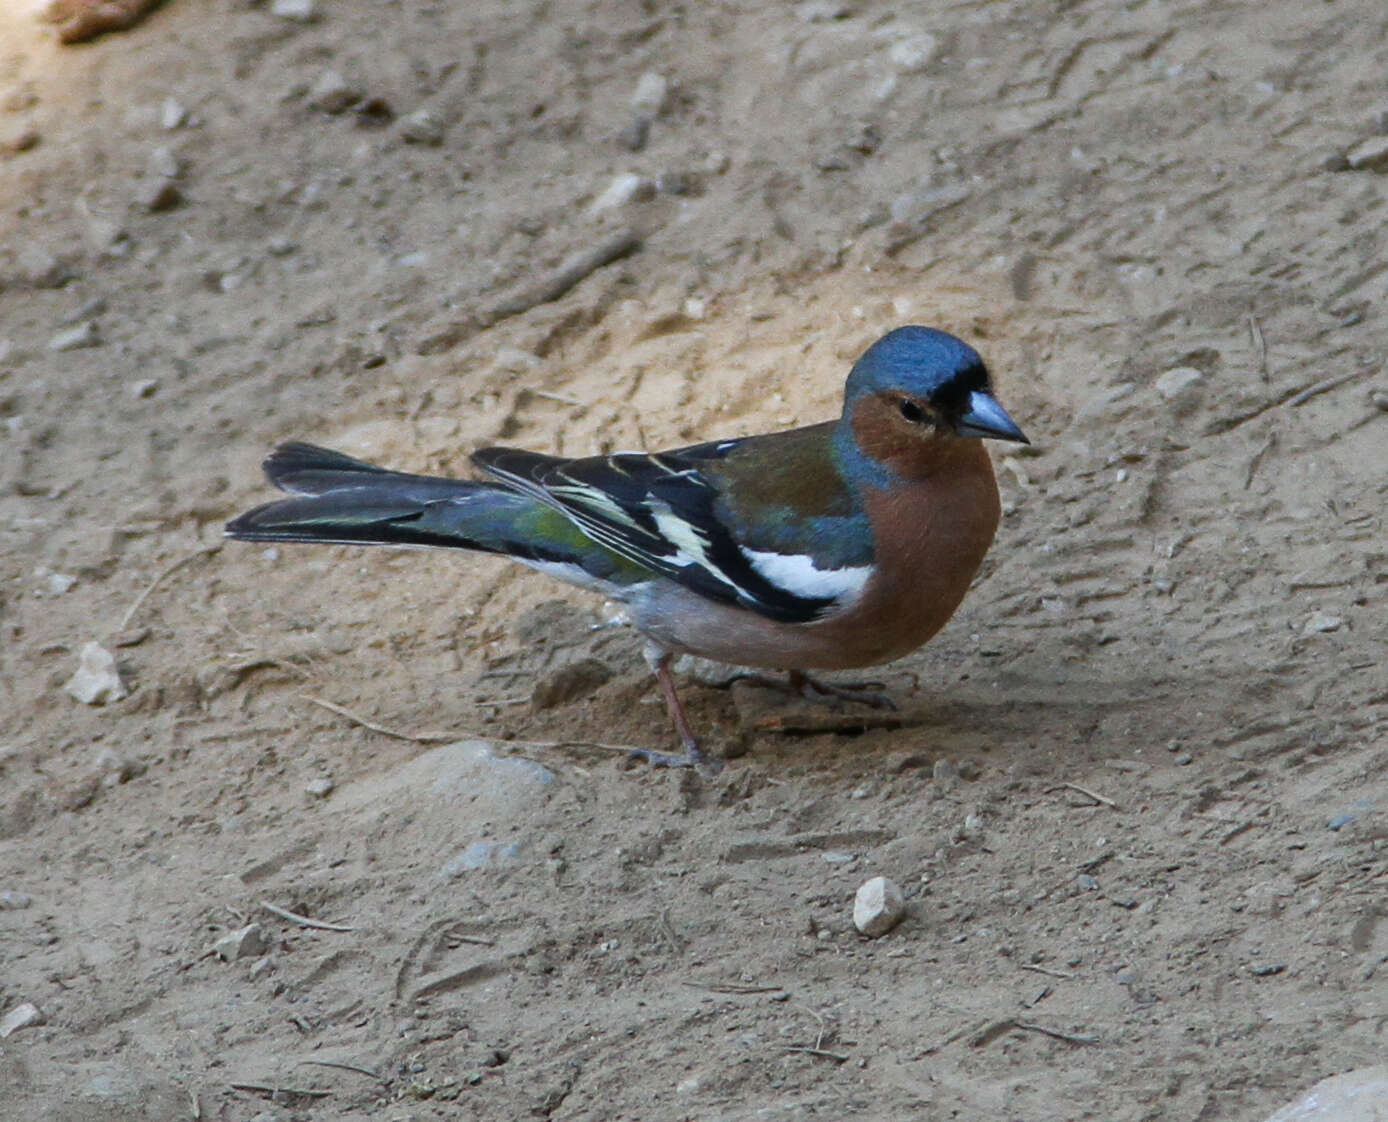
[338,499]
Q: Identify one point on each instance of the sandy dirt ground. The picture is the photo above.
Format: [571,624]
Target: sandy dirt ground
[1137,795]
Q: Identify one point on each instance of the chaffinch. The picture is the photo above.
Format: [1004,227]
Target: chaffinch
[843,544]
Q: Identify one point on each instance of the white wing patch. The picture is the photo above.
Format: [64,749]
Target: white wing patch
[798,575]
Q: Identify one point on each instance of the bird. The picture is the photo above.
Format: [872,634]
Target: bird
[834,546]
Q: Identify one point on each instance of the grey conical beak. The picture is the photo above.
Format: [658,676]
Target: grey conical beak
[985,417]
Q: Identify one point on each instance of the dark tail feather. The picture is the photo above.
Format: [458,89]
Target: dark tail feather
[346,501]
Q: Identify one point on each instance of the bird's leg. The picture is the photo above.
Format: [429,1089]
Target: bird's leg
[694,756]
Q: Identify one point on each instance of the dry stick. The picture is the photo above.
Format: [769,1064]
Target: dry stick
[571,270]
[1323,387]
[261,1089]
[1086,792]
[808,1050]
[302,921]
[443,737]
[394,734]
[1068,1037]
[347,1067]
[732,987]
[1255,329]
[164,574]
[1046,970]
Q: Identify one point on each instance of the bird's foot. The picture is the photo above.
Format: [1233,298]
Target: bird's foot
[692,756]
[812,689]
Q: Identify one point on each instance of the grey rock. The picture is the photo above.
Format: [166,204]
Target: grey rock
[1356,1096]
[97,681]
[650,96]
[421,127]
[332,93]
[12,901]
[480,855]
[172,114]
[297,11]
[1369,155]
[878,907]
[1180,381]
[39,267]
[20,1017]
[247,942]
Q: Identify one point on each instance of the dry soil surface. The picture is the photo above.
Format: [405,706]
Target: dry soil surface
[1137,797]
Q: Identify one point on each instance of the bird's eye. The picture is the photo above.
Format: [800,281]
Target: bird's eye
[911,411]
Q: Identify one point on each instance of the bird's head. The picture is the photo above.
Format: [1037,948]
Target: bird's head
[915,391]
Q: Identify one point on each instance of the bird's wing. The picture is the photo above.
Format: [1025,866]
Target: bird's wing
[671,512]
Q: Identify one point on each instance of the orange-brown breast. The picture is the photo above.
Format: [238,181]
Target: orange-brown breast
[931,533]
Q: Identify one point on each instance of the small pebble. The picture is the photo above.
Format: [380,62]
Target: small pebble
[145,387]
[39,267]
[625,188]
[913,54]
[21,1016]
[878,907]
[97,681]
[1371,155]
[421,127]
[86,334]
[18,137]
[298,11]
[163,162]
[1321,623]
[248,942]
[1179,382]
[319,788]
[332,93]
[1339,822]
[172,114]
[12,901]
[649,97]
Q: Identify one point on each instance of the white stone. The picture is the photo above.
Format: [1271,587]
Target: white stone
[172,114]
[913,54]
[163,162]
[75,338]
[1179,381]
[1371,155]
[21,1016]
[300,11]
[421,127]
[1321,622]
[319,788]
[648,99]
[248,942]
[97,681]
[332,93]
[39,267]
[623,189]
[877,907]
[1356,1096]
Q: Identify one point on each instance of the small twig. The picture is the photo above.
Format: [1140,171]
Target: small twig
[562,398]
[477,940]
[371,726]
[1255,329]
[164,574]
[196,1105]
[570,272]
[1087,793]
[348,1067]
[1324,387]
[1046,970]
[302,921]
[1068,1037]
[732,987]
[262,1089]
[811,1050]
